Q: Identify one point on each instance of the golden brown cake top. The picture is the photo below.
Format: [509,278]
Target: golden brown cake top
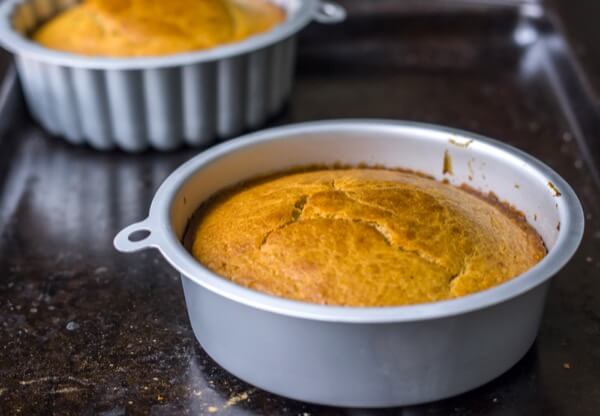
[361,237]
[155,27]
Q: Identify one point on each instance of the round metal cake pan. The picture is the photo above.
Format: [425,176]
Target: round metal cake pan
[365,357]
[161,102]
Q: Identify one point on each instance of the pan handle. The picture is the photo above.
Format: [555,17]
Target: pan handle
[135,237]
[329,12]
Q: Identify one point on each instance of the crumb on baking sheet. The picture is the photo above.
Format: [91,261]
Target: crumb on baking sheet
[235,399]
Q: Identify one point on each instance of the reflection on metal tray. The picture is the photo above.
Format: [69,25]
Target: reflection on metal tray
[11,101]
[92,331]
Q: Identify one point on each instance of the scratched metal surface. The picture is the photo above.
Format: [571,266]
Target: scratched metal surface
[85,330]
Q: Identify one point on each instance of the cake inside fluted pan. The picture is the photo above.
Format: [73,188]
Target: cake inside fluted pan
[155,27]
[361,237]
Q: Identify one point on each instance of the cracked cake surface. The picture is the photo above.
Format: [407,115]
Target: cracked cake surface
[361,237]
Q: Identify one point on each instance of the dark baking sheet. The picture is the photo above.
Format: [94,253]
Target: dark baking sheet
[85,330]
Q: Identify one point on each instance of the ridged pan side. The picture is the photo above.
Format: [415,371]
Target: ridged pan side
[157,107]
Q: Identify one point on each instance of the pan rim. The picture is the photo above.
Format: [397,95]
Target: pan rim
[569,236]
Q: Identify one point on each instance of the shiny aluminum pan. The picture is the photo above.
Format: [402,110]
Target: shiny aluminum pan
[156,102]
[365,357]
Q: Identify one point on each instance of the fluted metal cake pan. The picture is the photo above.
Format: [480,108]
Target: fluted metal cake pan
[162,102]
[365,357]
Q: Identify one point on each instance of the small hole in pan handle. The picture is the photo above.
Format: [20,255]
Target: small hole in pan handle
[134,237]
[329,13]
